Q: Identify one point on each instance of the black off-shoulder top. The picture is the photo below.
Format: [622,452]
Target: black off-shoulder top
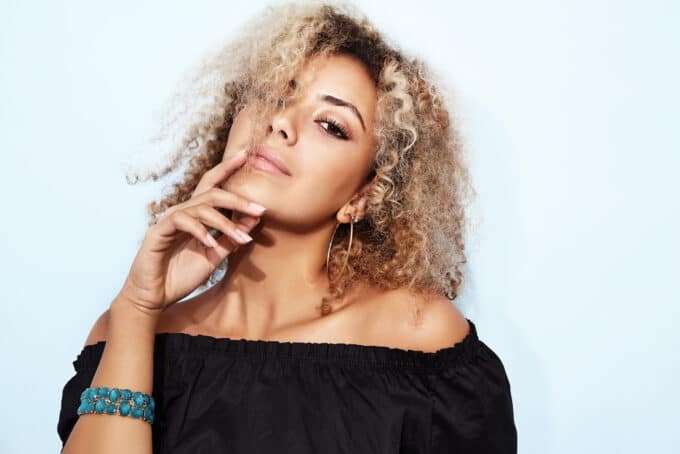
[224,395]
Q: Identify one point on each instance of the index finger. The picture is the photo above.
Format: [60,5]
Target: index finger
[217,174]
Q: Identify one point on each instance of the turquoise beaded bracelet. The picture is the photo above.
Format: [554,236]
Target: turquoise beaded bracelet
[102,400]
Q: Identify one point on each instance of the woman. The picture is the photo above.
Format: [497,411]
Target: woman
[327,175]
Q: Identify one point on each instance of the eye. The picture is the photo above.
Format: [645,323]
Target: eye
[340,131]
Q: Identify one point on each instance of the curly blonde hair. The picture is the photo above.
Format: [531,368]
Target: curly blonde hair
[414,229]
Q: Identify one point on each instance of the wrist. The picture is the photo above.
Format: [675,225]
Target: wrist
[127,309]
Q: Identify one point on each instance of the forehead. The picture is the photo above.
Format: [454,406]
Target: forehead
[342,76]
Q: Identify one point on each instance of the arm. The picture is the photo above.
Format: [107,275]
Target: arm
[127,362]
[178,254]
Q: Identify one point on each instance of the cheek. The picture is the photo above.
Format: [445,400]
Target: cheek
[330,180]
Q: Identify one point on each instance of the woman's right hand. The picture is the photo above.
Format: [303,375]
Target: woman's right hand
[178,253]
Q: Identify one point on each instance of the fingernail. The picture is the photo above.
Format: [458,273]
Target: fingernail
[238,154]
[243,235]
[257,207]
[211,240]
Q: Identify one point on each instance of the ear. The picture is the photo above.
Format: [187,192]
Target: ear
[356,205]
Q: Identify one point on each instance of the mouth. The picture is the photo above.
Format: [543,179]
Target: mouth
[266,159]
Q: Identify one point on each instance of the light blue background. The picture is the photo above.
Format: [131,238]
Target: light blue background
[571,114]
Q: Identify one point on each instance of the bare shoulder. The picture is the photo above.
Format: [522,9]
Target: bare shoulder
[424,321]
[443,325]
[99,330]
[174,319]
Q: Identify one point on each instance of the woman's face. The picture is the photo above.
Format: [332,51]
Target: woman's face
[328,148]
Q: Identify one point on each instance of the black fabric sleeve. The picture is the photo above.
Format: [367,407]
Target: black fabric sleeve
[472,408]
[85,366]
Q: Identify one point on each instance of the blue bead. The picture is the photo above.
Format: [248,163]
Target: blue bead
[124,408]
[111,409]
[100,406]
[152,403]
[91,393]
[148,414]
[136,413]
[102,391]
[126,394]
[82,408]
[138,399]
[146,399]
[114,394]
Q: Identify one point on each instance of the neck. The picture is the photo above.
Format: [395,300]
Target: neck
[276,280]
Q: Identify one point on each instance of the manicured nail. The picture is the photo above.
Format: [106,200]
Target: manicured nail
[257,207]
[210,240]
[237,154]
[243,235]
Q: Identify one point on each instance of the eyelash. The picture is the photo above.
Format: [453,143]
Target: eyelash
[335,124]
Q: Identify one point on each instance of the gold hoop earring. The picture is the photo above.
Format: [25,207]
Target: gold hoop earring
[354,219]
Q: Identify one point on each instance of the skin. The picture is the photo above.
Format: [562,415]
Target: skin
[274,284]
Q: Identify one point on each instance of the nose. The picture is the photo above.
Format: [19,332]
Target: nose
[282,123]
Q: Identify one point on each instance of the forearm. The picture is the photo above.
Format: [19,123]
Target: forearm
[126,362]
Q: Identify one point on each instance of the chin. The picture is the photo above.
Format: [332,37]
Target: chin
[250,188]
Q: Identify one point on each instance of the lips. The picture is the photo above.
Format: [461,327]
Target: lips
[270,156]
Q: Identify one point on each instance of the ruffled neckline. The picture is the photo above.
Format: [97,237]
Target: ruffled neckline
[170,344]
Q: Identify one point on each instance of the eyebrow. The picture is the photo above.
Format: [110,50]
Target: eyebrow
[341,102]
